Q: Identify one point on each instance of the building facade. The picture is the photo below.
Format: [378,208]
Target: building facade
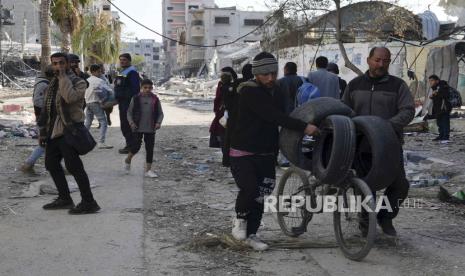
[174,18]
[211,26]
[25,17]
[152,52]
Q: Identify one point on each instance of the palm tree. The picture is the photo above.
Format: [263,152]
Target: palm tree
[98,39]
[45,34]
[67,15]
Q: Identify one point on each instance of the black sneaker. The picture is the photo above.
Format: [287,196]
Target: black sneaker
[85,208]
[436,139]
[124,150]
[59,204]
[387,227]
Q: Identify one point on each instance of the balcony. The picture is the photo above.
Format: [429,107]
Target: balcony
[197,31]
[197,54]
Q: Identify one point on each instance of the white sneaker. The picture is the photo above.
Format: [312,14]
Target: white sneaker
[104,146]
[150,174]
[257,244]
[239,230]
[444,141]
[127,167]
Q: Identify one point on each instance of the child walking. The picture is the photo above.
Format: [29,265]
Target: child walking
[145,116]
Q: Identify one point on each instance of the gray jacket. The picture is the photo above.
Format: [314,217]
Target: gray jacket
[388,97]
[327,82]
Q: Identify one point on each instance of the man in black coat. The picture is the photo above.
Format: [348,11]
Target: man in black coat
[441,107]
[254,143]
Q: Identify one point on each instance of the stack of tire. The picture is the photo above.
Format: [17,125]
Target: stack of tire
[366,144]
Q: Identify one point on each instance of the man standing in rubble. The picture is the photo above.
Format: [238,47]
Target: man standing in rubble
[127,85]
[380,94]
[254,143]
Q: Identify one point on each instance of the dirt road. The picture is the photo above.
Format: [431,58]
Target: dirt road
[158,227]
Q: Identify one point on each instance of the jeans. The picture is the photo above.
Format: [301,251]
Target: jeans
[149,141]
[35,155]
[443,122]
[95,109]
[56,150]
[125,127]
[255,176]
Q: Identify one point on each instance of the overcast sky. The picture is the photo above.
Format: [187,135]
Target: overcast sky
[148,12]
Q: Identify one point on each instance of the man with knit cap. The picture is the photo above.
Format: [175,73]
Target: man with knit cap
[254,144]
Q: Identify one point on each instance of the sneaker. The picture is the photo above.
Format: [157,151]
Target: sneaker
[124,150]
[127,166]
[85,208]
[444,141]
[436,139]
[387,227]
[104,146]
[239,230]
[257,244]
[59,204]
[27,168]
[150,174]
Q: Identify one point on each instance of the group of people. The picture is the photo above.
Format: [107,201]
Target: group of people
[67,99]
[249,112]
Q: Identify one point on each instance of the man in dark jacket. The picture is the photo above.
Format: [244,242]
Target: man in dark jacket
[380,94]
[127,85]
[441,107]
[333,68]
[254,143]
[289,84]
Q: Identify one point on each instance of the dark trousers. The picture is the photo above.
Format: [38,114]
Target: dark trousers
[396,193]
[443,122]
[125,127]
[149,141]
[108,111]
[255,176]
[56,150]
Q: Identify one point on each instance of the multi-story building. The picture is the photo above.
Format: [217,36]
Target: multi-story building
[174,15]
[25,17]
[214,26]
[153,54]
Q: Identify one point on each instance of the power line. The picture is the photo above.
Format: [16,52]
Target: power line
[199,45]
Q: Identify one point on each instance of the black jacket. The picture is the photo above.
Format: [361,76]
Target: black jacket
[289,85]
[259,113]
[441,102]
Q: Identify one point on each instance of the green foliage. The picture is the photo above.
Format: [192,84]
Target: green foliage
[99,38]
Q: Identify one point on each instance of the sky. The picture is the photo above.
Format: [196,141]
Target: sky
[148,12]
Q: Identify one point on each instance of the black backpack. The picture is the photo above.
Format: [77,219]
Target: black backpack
[454,99]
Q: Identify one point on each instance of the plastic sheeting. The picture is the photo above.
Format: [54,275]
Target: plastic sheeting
[430,25]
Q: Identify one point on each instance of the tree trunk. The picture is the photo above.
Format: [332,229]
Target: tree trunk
[347,61]
[66,42]
[45,34]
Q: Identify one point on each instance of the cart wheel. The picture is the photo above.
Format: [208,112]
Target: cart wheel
[355,229]
[294,182]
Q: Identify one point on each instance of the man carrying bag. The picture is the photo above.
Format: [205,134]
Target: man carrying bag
[64,136]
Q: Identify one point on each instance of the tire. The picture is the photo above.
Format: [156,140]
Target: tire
[313,112]
[354,248]
[334,150]
[303,217]
[378,152]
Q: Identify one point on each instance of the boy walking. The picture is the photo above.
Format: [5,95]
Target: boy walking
[96,93]
[145,116]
